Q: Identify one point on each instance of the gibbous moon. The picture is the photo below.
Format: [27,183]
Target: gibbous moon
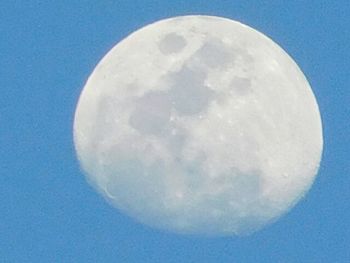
[199,125]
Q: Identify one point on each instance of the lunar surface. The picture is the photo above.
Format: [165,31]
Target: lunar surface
[199,125]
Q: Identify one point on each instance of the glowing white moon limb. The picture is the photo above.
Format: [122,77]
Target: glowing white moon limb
[199,125]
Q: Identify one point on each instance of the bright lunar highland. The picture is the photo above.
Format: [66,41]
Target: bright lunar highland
[199,125]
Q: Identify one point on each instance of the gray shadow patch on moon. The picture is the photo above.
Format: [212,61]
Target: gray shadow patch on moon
[241,86]
[245,187]
[188,93]
[236,193]
[129,176]
[151,113]
[195,175]
[172,43]
[215,54]
[175,140]
[104,120]
[238,196]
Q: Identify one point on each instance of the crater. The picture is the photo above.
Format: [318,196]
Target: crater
[188,93]
[172,43]
[215,54]
[151,113]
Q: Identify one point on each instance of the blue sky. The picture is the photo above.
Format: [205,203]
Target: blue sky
[48,213]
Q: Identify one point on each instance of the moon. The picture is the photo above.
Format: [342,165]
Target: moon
[199,125]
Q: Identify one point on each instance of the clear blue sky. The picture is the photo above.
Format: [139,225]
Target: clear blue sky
[48,213]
